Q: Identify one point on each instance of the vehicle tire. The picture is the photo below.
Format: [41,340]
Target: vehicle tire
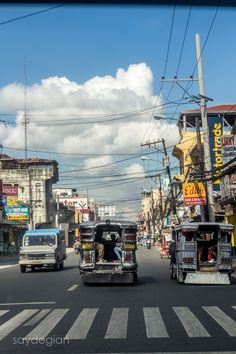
[135,278]
[33,268]
[180,276]
[22,268]
[171,271]
[61,266]
[56,266]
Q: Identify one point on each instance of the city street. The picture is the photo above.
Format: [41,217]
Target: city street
[53,312]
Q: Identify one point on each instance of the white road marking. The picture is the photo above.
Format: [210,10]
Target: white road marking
[2,312]
[14,322]
[155,327]
[117,327]
[47,325]
[226,322]
[191,324]
[8,266]
[28,303]
[37,317]
[73,287]
[82,324]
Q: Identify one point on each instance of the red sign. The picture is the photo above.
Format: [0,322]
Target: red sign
[9,190]
[194,193]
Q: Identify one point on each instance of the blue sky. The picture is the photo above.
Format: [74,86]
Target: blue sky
[113,57]
[83,41]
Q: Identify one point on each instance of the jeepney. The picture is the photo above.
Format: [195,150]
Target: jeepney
[109,269]
[201,253]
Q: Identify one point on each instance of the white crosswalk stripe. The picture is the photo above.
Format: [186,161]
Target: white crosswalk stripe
[47,324]
[191,324]
[15,322]
[155,327]
[117,327]
[37,317]
[226,322]
[81,326]
[46,320]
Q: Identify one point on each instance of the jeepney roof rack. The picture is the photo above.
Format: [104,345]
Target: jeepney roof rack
[194,226]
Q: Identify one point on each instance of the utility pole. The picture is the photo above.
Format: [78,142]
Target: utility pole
[167,165]
[207,157]
[57,212]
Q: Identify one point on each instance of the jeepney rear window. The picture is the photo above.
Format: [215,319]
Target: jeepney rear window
[39,240]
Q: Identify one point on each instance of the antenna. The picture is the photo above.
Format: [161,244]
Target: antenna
[26,120]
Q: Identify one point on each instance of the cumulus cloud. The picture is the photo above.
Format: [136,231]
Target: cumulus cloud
[104,115]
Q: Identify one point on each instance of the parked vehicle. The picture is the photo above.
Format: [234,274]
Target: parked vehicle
[201,253]
[43,248]
[98,237]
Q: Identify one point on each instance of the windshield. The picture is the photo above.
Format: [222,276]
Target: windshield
[39,240]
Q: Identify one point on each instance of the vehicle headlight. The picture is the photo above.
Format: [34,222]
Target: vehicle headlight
[49,254]
[23,256]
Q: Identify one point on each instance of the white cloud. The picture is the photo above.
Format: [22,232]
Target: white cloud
[56,102]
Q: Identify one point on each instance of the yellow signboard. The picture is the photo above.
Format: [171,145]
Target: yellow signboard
[12,201]
[17,217]
[194,193]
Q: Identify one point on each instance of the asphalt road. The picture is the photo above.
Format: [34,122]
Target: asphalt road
[156,316]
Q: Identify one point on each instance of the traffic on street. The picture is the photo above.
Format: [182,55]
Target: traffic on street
[48,311]
[118,177]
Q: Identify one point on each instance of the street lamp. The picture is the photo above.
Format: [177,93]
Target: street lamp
[161,116]
[146,158]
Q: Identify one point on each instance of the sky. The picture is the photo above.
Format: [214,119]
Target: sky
[88,81]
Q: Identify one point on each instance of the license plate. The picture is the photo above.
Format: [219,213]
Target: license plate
[36,262]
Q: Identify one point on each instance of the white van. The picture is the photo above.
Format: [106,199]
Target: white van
[43,248]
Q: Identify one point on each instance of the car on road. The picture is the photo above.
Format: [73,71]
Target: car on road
[43,248]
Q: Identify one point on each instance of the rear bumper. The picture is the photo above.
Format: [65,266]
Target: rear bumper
[102,276]
[207,278]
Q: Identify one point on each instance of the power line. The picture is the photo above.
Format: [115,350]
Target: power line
[35,13]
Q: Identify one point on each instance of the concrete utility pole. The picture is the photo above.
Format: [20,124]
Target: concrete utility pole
[207,157]
[167,165]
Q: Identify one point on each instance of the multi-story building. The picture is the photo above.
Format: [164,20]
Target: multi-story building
[189,150]
[27,183]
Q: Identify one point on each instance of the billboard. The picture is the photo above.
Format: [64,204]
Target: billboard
[194,193]
[10,190]
[79,203]
[17,213]
[215,126]
[228,147]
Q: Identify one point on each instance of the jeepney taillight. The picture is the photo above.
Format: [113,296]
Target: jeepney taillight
[130,237]
[128,256]
[88,256]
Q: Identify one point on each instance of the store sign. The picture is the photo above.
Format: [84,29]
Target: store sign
[215,126]
[78,203]
[194,193]
[10,190]
[17,213]
[228,147]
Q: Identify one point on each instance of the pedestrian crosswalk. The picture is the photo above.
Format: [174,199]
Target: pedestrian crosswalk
[40,323]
